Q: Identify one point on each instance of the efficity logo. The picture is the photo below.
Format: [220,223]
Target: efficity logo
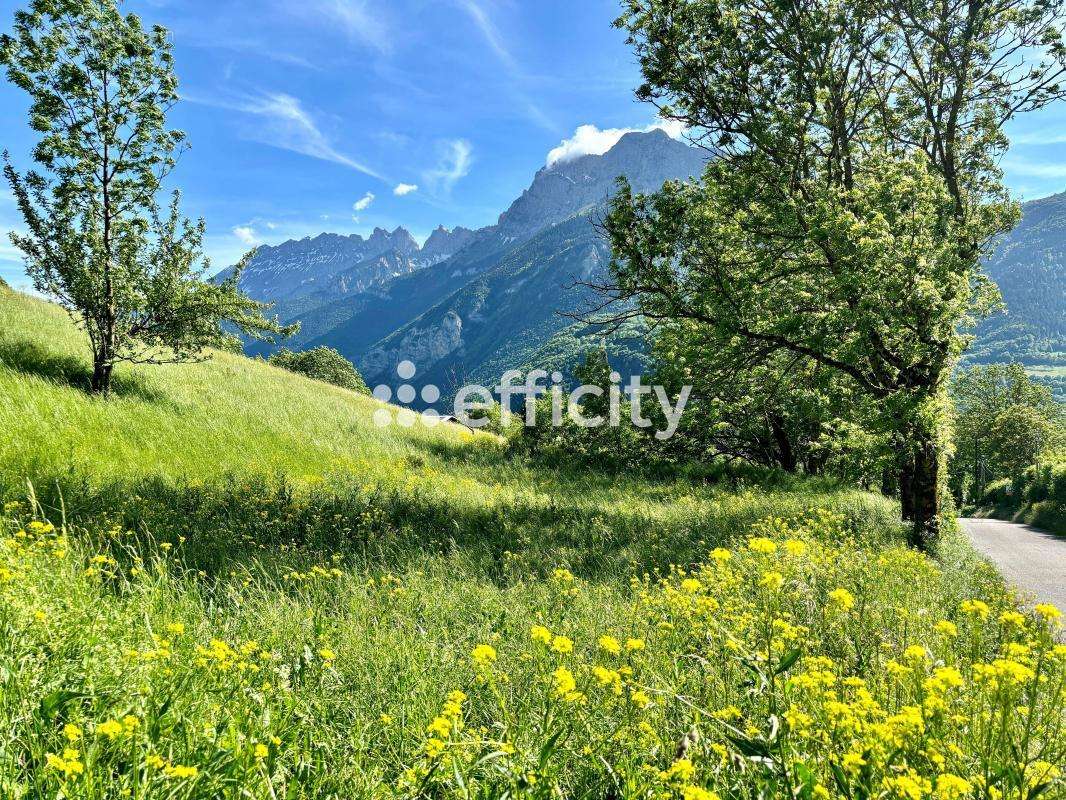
[472,401]
[406,393]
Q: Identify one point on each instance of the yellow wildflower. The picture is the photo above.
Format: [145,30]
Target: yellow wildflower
[977,608]
[952,787]
[483,655]
[610,645]
[562,644]
[1047,611]
[772,580]
[842,599]
[178,771]
[110,729]
[945,628]
[760,544]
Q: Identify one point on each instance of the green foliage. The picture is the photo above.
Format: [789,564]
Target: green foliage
[1037,495]
[789,412]
[322,364]
[131,273]
[843,220]
[1004,423]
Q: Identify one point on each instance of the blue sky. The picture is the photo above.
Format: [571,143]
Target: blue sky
[322,115]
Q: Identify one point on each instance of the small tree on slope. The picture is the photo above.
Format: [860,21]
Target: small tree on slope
[97,240]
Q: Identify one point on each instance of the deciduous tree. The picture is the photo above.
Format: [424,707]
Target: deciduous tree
[97,240]
[853,189]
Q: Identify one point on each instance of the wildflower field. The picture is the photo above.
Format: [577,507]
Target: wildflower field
[227,583]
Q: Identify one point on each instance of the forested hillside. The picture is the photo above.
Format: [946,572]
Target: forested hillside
[1029,266]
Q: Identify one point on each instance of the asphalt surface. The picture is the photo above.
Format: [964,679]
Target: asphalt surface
[1031,559]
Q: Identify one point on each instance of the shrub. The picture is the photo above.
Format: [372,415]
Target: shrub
[322,364]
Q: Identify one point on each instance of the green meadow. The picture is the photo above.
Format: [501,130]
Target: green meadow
[226,581]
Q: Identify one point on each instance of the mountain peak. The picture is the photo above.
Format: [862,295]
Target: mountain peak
[443,243]
[646,158]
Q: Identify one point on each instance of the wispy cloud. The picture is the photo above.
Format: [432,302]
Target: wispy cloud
[489,31]
[1047,136]
[590,140]
[491,34]
[288,126]
[256,48]
[1042,169]
[456,159]
[355,18]
[403,189]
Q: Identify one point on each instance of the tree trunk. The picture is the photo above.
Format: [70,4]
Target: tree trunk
[786,457]
[889,482]
[101,381]
[925,490]
[905,483]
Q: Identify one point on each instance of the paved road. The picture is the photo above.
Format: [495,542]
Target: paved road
[1032,559]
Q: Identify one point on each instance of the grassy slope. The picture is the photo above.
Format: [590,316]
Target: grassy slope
[196,424]
[226,414]
[250,477]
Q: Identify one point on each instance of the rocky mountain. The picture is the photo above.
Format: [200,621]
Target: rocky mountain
[567,188]
[518,273]
[329,265]
[493,322]
[443,243]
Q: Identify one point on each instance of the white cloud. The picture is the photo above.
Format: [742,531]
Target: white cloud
[489,32]
[403,189]
[246,233]
[456,158]
[363,203]
[588,140]
[289,126]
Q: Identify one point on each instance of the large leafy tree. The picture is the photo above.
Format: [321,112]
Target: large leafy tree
[853,191]
[98,241]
